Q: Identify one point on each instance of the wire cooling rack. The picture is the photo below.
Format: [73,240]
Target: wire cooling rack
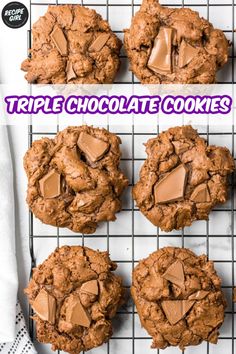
[132,237]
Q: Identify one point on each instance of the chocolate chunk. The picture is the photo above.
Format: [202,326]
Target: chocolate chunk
[99,42]
[93,148]
[199,295]
[90,287]
[180,148]
[201,194]
[45,306]
[76,313]
[160,58]
[186,53]
[175,310]
[59,40]
[175,274]
[70,74]
[171,188]
[50,185]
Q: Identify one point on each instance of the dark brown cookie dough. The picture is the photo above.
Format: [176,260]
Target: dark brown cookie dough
[72,44]
[174,45]
[178,298]
[75,295]
[74,180]
[182,178]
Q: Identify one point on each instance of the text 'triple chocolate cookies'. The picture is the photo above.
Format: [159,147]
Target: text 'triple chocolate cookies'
[178,298]
[182,178]
[72,44]
[74,180]
[74,295]
[174,45]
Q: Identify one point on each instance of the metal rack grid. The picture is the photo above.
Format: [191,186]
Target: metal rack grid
[135,342]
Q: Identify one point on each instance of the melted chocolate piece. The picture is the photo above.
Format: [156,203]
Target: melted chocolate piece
[90,287]
[160,58]
[99,42]
[70,71]
[59,40]
[76,313]
[171,188]
[92,147]
[186,54]
[201,194]
[175,310]
[50,185]
[175,274]
[45,306]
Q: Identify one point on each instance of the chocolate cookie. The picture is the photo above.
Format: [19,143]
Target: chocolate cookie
[74,180]
[178,298]
[174,45]
[74,295]
[72,44]
[182,178]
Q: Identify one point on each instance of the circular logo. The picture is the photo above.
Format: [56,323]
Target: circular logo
[15,14]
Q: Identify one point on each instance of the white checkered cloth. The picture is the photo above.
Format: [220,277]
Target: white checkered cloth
[22,343]
[8,268]
[12,325]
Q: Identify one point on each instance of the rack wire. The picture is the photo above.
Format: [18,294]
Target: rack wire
[204,236]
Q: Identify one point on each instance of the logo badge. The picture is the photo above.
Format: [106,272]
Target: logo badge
[15,14]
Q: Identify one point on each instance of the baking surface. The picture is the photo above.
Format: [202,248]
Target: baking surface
[131,237]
